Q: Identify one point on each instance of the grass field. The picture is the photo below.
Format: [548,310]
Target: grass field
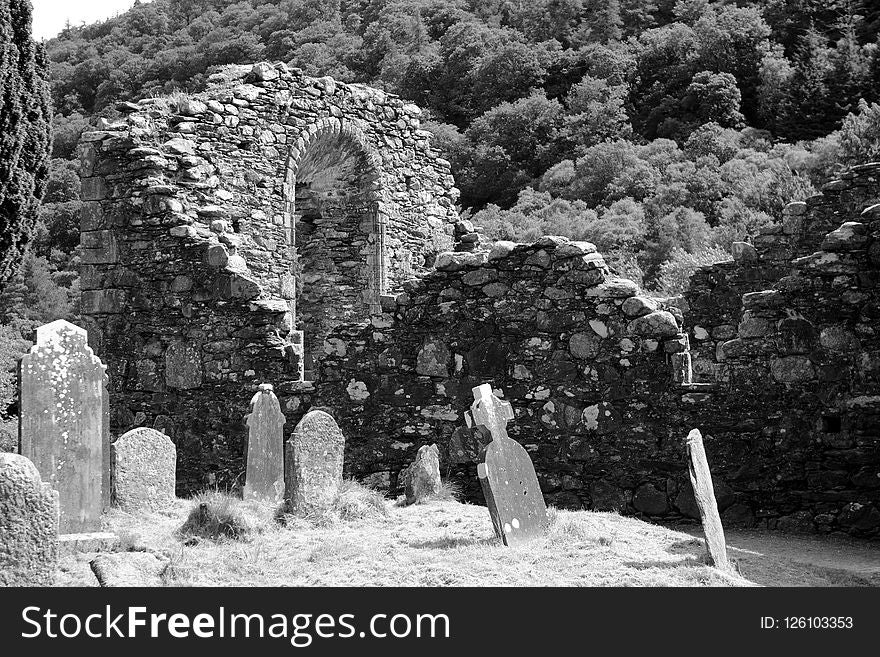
[445,543]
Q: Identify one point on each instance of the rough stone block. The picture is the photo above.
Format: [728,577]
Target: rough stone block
[422,476]
[129,569]
[183,366]
[658,324]
[743,252]
[792,369]
[72,544]
[107,301]
[433,359]
[93,189]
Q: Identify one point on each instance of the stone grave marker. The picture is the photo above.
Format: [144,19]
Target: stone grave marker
[704,493]
[506,473]
[313,468]
[264,479]
[422,476]
[144,463]
[64,426]
[28,524]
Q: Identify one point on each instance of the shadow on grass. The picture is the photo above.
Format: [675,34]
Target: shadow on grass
[691,562]
[687,546]
[448,543]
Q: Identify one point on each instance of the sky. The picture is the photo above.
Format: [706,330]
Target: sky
[50,15]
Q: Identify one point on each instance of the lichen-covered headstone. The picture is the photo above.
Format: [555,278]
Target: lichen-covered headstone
[264,480]
[313,468]
[28,524]
[506,473]
[704,493]
[64,426]
[422,477]
[144,463]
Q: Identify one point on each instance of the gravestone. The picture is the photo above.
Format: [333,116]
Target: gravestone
[704,494]
[506,473]
[28,524]
[313,468]
[144,463]
[264,480]
[422,476]
[64,423]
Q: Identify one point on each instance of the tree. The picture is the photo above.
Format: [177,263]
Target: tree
[806,112]
[596,113]
[714,97]
[859,136]
[25,119]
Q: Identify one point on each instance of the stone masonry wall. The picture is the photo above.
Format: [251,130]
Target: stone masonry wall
[279,218]
[714,299]
[190,247]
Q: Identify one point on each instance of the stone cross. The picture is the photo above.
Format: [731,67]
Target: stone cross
[704,493]
[490,411]
[506,473]
[313,466]
[28,525]
[64,425]
[264,480]
[144,463]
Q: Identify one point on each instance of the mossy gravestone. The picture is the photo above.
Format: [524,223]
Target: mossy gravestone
[264,480]
[64,423]
[28,524]
[313,468]
[506,473]
[144,461]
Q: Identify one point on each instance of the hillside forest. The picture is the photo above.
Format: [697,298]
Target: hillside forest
[661,130]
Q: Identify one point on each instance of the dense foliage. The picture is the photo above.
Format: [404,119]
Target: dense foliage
[662,130]
[24,131]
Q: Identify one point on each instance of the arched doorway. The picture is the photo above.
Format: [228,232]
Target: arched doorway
[338,234]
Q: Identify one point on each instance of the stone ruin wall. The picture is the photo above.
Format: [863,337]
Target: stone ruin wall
[191,241]
[191,297]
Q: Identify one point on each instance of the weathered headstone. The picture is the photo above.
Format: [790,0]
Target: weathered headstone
[144,463]
[264,480]
[506,473]
[422,476]
[704,493]
[313,468]
[28,524]
[64,427]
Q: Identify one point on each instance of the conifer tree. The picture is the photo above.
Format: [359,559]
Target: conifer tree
[25,119]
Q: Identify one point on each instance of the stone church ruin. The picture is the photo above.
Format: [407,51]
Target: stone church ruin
[302,232]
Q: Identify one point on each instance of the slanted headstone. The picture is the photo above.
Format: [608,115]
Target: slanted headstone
[64,426]
[264,480]
[313,469]
[422,477]
[144,463]
[28,524]
[704,493]
[506,473]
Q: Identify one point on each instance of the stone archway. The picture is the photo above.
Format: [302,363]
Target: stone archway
[337,226]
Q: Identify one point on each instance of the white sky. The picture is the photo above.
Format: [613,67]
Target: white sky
[50,15]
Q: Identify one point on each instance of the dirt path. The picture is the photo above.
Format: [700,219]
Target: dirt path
[778,559]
